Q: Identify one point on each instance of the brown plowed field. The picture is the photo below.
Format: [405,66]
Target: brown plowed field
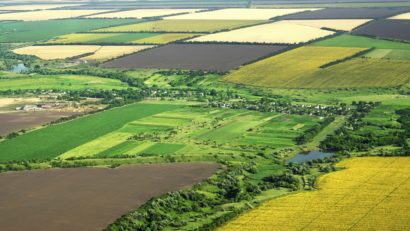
[387,29]
[87,198]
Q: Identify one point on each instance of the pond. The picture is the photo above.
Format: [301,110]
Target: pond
[19,68]
[313,155]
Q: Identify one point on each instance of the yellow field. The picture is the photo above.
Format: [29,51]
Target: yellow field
[143,13]
[402,16]
[278,32]
[181,26]
[372,193]
[35,7]
[239,14]
[110,52]
[56,52]
[164,38]
[47,14]
[287,69]
[337,24]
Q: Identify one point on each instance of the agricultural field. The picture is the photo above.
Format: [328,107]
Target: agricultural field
[134,185]
[144,13]
[386,29]
[110,52]
[35,7]
[57,52]
[66,82]
[213,57]
[347,40]
[286,33]
[47,14]
[18,31]
[405,16]
[186,25]
[353,198]
[349,13]
[239,14]
[120,38]
[336,24]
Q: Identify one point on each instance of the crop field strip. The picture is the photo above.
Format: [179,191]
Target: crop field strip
[18,31]
[214,57]
[47,14]
[275,71]
[143,13]
[336,24]
[355,198]
[35,7]
[175,25]
[387,29]
[110,52]
[285,33]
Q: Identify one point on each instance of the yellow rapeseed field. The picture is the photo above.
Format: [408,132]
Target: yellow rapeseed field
[278,32]
[47,14]
[110,52]
[56,52]
[240,14]
[143,13]
[337,24]
[372,193]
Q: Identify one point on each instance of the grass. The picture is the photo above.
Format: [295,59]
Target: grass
[393,54]
[162,149]
[192,26]
[329,129]
[61,82]
[40,30]
[55,140]
[354,198]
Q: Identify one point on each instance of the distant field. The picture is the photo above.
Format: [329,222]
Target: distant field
[336,24]
[119,38]
[181,26]
[40,30]
[355,198]
[239,14]
[349,13]
[110,52]
[52,141]
[62,82]
[35,6]
[215,57]
[57,52]
[388,29]
[47,14]
[361,41]
[143,13]
[285,33]
[402,16]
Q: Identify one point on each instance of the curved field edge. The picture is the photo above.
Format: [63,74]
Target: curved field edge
[51,141]
[355,198]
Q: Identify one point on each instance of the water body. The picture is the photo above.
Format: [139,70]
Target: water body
[19,68]
[313,155]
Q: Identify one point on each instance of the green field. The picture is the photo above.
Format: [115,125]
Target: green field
[54,140]
[40,30]
[393,54]
[194,26]
[61,82]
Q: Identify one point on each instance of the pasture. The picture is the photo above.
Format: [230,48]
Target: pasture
[62,82]
[355,198]
[336,24]
[387,29]
[285,33]
[18,31]
[110,52]
[57,52]
[143,13]
[50,142]
[213,57]
[349,13]
[47,14]
[181,26]
[48,192]
[239,14]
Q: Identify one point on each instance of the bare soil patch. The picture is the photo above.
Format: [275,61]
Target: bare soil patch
[210,57]
[388,29]
[87,198]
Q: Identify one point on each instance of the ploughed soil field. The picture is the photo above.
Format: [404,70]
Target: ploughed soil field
[209,57]
[348,13]
[15,121]
[87,198]
[388,29]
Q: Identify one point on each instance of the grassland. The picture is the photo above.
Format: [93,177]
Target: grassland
[285,33]
[110,52]
[239,14]
[62,82]
[143,13]
[356,198]
[17,31]
[47,14]
[336,24]
[57,52]
[51,141]
[181,26]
